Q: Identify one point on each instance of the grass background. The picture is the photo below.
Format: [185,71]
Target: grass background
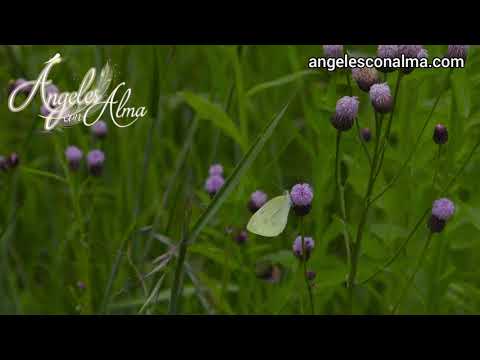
[207,104]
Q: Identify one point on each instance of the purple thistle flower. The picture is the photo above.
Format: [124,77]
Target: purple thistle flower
[74,156]
[241,237]
[333,51]
[298,247]
[99,129]
[443,209]
[257,200]
[216,169]
[366,134]
[346,111]
[381,98]
[365,77]
[311,275]
[213,184]
[422,54]
[301,196]
[409,51]
[440,134]
[95,160]
[457,51]
[13,160]
[387,52]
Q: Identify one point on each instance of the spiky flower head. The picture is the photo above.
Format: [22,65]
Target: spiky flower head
[216,169]
[346,111]
[99,129]
[301,196]
[365,77]
[257,200]
[409,51]
[214,184]
[299,246]
[95,161]
[422,54]
[457,51]
[74,156]
[381,98]
[443,209]
[387,52]
[333,51]
[440,134]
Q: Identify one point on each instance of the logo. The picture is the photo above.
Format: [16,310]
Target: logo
[87,105]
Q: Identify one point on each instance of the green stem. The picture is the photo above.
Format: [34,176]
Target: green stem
[341,192]
[412,277]
[362,142]
[304,260]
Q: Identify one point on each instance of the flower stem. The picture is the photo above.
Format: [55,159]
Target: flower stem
[304,260]
[341,192]
[412,277]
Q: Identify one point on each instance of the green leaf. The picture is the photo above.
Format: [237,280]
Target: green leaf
[278,82]
[209,111]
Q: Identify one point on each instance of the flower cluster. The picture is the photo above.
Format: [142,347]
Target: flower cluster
[95,160]
[215,180]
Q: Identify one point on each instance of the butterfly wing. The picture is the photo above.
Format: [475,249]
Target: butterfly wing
[270,220]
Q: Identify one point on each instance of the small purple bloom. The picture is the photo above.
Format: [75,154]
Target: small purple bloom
[333,51]
[13,160]
[216,169]
[241,237]
[95,160]
[409,51]
[440,134]
[366,134]
[213,184]
[381,98]
[422,54]
[365,77]
[457,51]
[311,275]
[257,200]
[443,209]
[74,156]
[99,129]
[301,196]
[346,111]
[387,52]
[298,247]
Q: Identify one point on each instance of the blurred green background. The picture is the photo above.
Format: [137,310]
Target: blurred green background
[60,228]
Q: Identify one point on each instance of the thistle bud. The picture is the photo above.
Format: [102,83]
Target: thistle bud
[99,129]
[257,200]
[366,134]
[74,156]
[457,51]
[311,275]
[95,161]
[303,249]
[346,111]
[216,169]
[333,51]
[365,77]
[381,98]
[387,52]
[213,184]
[443,209]
[440,134]
[241,237]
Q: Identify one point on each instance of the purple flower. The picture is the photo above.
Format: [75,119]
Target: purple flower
[95,160]
[422,54]
[301,196]
[99,129]
[365,77]
[409,51]
[381,98]
[74,156]
[457,51]
[257,200]
[440,134]
[387,52]
[333,51]
[443,209]
[346,111]
[13,160]
[311,275]
[216,169]
[213,184]
[241,237]
[298,247]
[366,134]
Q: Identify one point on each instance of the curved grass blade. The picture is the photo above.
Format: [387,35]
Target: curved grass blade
[278,82]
